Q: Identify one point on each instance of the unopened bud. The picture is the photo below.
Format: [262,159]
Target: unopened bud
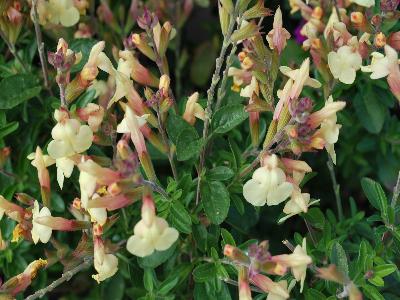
[394,40]
[114,189]
[97,229]
[317,13]
[247,63]
[357,18]
[380,40]
[236,254]
[376,20]
[77,203]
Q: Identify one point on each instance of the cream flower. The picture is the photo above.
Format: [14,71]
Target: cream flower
[105,264]
[382,65]
[365,3]
[278,35]
[298,203]
[193,109]
[69,138]
[98,214]
[58,12]
[330,132]
[40,232]
[279,292]
[344,63]
[151,233]
[268,185]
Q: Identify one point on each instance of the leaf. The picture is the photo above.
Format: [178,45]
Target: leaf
[338,257]
[180,218]
[8,128]
[384,270]
[215,199]
[370,110]
[372,293]
[228,117]
[175,125]
[202,64]
[316,218]
[204,272]
[313,294]
[86,98]
[18,88]
[227,237]
[220,173]
[376,280]
[57,203]
[376,196]
[84,46]
[115,288]
[157,258]
[188,145]
[168,284]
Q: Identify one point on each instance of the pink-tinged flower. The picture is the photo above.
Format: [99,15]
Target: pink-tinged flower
[61,224]
[12,210]
[90,69]
[268,184]
[236,254]
[40,232]
[344,63]
[300,78]
[252,91]
[41,162]
[14,13]
[106,264]
[240,77]
[328,111]
[21,281]
[151,232]
[84,31]
[104,13]
[93,114]
[243,283]
[278,35]
[193,110]
[386,65]
[69,139]
[297,5]
[331,273]
[276,290]
[297,261]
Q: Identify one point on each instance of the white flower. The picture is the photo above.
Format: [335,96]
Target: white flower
[299,269]
[69,138]
[268,184]
[149,237]
[344,63]
[193,109]
[382,65]
[105,264]
[151,232]
[298,203]
[278,293]
[58,12]
[365,3]
[40,232]
[98,214]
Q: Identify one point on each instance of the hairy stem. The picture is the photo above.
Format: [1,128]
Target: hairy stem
[336,189]
[155,187]
[13,51]
[40,44]
[396,192]
[210,97]
[87,262]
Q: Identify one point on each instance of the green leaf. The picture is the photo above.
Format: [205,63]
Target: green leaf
[315,217]
[227,237]
[338,257]
[148,279]
[384,270]
[175,125]
[313,294]
[57,203]
[18,88]
[8,128]
[115,288]
[168,284]
[157,258]
[188,145]
[370,110]
[84,46]
[204,272]
[86,98]
[376,280]
[215,199]
[180,218]
[376,196]
[372,293]
[202,64]
[220,173]
[228,117]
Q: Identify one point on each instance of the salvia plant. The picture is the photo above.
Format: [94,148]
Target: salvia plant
[143,169]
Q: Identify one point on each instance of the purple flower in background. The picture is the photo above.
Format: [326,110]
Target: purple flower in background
[297,35]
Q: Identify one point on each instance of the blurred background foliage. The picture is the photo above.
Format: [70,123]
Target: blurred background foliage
[368,146]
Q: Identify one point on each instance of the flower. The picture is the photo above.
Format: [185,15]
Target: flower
[58,12]
[106,264]
[193,110]
[329,131]
[40,232]
[268,184]
[69,138]
[386,65]
[278,35]
[298,261]
[298,203]
[92,114]
[344,63]
[276,290]
[151,232]
[365,3]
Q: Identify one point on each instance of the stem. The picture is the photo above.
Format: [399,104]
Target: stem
[62,95]
[336,189]
[87,262]
[178,74]
[155,187]
[210,96]
[40,44]
[396,192]
[311,231]
[233,282]
[166,142]
[13,51]
[337,10]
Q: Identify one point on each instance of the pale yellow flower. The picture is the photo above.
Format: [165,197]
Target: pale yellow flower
[344,63]
[268,185]
[40,232]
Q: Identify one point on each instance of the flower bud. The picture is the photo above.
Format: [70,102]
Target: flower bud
[394,40]
[380,40]
[236,254]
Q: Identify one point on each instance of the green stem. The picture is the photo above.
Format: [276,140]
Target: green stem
[336,189]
